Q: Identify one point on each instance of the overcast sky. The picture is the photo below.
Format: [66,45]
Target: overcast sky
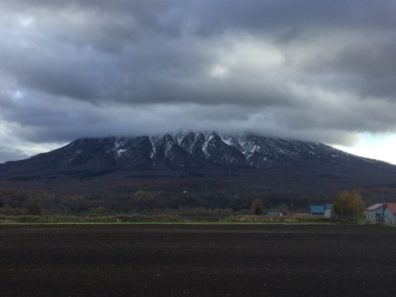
[306,69]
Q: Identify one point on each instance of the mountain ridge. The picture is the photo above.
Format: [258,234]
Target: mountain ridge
[259,164]
[194,169]
[252,149]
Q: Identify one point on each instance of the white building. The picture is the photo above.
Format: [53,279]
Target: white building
[382,212]
[375,212]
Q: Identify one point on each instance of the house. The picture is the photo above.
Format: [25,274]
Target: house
[321,210]
[382,212]
[375,213]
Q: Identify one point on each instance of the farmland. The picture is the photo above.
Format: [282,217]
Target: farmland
[197,260]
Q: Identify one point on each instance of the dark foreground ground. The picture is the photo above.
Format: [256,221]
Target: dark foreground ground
[197,260]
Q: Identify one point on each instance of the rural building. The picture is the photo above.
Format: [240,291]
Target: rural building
[382,212]
[390,213]
[375,212]
[275,214]
[321,210]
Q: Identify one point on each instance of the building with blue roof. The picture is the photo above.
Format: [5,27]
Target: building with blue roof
[321,209]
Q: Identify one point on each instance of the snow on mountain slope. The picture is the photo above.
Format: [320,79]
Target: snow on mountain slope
[196,150]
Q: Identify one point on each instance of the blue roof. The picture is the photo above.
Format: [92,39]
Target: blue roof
[317,209]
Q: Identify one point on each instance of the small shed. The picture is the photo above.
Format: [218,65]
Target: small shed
[275,214]
[321,210]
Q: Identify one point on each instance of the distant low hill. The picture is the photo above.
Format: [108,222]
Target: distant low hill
[211,164]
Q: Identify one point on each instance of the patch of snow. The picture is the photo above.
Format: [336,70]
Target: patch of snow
[210,137]
[179,138]
[256,148]
[199,139]
[206,144]
[120,152]
[249,147]
[168,146]
[197,136]
[227,140]
[231,141]
[279,150]
[153,151]
[118,143]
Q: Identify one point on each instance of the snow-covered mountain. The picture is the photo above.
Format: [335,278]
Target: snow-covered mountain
[191,154]
[191,149]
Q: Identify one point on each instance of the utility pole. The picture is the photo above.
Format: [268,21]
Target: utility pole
[383,206]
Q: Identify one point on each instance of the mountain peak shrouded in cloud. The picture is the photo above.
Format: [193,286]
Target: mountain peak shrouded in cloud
[194,160]
[312,70]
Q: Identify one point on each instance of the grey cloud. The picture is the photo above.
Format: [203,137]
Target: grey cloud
[316,70]
[212,17]
[370,67]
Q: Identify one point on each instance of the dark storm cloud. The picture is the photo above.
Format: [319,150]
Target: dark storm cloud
[368,68]
[317,70]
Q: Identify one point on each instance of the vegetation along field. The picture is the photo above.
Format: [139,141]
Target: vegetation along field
[197,260]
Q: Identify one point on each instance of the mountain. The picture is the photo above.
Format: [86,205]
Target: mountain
[252,162]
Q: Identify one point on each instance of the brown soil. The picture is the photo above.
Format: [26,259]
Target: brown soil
[197,260]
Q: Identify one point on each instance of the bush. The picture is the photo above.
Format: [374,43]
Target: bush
[257,207]
[34,207]
[100,211]
[348,205]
